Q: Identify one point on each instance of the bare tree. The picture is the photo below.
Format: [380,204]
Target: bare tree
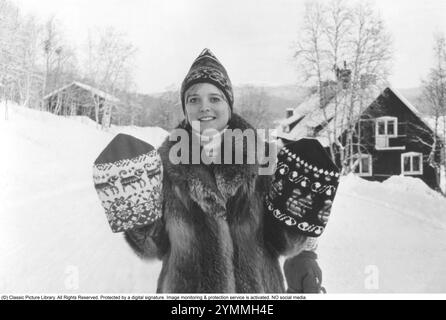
[355,34]
[31,80]
[434,94]
[311,53]
[371,56]
[49,45]
[9,25]
[18,55]
[36,59]
[108,63]
[337,28]
[59,58]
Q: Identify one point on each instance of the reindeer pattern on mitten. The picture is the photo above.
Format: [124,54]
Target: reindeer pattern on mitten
[130,190]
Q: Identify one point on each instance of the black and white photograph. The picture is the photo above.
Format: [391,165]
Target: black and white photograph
[292,147]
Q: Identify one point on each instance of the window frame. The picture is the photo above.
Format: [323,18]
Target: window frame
[365,156]
[386,121]
[411,155]
[382,140]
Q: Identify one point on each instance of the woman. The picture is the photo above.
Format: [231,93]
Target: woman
[215,235]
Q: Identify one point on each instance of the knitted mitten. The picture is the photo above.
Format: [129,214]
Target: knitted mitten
[304,187]
[128,177]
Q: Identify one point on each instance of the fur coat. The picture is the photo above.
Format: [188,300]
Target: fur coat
[215,235]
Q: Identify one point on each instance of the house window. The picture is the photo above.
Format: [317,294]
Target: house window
[391,128]
[411,163]
[387,126]
[365,165]
[381,128]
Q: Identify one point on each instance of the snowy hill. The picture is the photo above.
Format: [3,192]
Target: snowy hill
[55,237]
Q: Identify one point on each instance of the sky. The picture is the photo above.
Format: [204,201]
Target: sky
[252,38]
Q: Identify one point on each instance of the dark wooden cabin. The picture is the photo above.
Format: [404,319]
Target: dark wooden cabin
[391,137]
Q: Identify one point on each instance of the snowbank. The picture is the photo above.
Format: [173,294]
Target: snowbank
[385,237]
[402,194]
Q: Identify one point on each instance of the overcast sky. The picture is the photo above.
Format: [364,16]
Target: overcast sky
[252,38]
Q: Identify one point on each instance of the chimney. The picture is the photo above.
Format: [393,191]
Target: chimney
[289,112]
[343,76]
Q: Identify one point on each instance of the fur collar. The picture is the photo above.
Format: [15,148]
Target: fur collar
[210,186]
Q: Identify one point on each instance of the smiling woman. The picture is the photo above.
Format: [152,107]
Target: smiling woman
[215,234]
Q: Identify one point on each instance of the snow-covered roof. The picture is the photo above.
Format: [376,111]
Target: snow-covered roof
[411,107]
[314,116]
[87,87]
[309,105]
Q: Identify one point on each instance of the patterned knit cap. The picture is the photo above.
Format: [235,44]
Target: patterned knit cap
[207,69]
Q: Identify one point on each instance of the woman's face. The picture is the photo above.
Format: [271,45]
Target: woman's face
[206,105]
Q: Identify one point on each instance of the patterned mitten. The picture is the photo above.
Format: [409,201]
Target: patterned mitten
[304,187]
[128,178]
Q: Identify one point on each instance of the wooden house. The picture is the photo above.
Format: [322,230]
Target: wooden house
[79,99]
[390,135]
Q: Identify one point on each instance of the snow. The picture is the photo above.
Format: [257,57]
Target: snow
[306,107]
[397,228]
[55,237]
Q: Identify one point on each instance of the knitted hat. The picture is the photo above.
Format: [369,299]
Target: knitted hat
[304,180]
[206,68]
[127,176]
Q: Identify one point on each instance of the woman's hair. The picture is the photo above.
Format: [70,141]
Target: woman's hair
[196,86]
[311,244]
